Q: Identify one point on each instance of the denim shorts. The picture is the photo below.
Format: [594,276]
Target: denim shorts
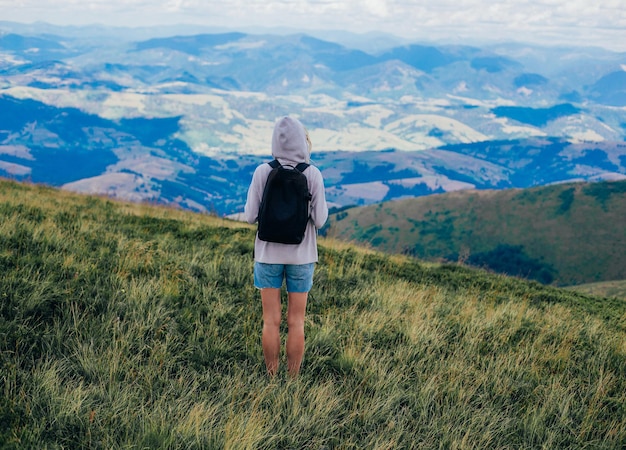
[299,276]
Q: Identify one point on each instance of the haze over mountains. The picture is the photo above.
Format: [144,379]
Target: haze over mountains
[184,119]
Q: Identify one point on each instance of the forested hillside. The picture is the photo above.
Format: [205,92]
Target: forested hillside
[564,234]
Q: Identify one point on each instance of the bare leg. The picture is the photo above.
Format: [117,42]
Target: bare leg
[271,328]
[296,309]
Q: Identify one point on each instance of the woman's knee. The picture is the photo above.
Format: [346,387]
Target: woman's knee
[271,307]
[296,309]
[271,319]
[295,323]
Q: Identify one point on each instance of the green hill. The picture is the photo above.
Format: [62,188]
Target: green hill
[563,234]
[131,326]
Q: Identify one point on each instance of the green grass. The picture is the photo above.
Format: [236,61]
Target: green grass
[131,326]
[565,234]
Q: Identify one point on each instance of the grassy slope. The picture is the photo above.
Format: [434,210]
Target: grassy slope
[578,229]
[604,289]
[127,326]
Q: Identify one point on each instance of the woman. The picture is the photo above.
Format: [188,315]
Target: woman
[292,263]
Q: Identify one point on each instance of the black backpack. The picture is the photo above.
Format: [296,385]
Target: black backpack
[284,210]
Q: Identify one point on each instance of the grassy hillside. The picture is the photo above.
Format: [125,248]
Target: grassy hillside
[565,234]
[129,326]
[604,289]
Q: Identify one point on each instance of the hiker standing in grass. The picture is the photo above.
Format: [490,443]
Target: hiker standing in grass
[275,262]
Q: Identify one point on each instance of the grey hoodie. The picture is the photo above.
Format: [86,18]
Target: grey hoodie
[290,145]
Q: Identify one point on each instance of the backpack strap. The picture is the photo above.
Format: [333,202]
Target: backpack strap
[302,167]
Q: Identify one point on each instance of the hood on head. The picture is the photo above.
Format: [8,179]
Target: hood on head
[290,142]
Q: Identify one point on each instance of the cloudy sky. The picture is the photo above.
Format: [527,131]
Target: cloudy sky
[595,22]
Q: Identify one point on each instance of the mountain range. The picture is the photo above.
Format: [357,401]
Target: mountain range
[184,119]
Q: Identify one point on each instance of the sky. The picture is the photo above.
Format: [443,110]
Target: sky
[549,22]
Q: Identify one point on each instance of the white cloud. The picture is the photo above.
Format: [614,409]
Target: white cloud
[377,7]
[565,20]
